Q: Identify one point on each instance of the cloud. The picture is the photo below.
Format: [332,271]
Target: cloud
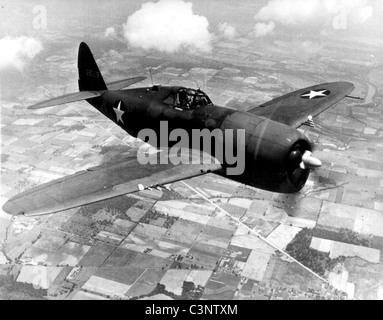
[264,29]
[366,13]
[316,12]
[287,11]
[16,52]
[110,32]
[168,26]
[227,31]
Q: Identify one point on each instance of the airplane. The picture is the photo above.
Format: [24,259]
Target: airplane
[279,157]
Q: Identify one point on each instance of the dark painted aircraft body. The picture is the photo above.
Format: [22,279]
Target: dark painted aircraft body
[278,156]
[268,143]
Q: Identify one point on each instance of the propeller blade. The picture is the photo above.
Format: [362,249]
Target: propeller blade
[298,176]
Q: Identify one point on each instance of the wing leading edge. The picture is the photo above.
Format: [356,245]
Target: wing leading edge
[105,182]
[293,109]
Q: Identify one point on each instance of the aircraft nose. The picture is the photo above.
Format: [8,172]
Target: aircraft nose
[11,208]
[311,162]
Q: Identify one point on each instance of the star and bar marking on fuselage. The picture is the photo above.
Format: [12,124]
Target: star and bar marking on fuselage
[315,94]
[119,113]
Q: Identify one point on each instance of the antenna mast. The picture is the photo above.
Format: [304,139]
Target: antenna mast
[151,77]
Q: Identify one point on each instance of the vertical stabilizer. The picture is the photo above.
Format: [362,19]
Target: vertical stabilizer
[90,78]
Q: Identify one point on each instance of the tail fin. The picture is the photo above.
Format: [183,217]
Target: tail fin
[90,78]
[91,84]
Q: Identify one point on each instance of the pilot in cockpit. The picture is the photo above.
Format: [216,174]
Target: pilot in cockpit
[185,99]
[190,99]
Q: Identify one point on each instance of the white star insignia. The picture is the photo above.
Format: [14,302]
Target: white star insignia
[314,94]
[119,113]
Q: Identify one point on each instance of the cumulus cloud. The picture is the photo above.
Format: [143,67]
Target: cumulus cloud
[315,12]
[288,11]
[16,52]
[168,26]
[110,32]
[227,31]
[264,29]
[366,14]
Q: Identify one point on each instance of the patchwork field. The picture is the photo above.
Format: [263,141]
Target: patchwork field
[162,244]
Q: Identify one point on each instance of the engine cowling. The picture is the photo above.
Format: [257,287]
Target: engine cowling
[278,157]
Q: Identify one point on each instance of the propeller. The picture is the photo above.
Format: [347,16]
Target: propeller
[300,163]
[308,161]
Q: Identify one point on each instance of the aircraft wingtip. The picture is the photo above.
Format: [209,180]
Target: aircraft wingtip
[10,208]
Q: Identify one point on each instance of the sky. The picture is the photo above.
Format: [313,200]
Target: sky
[28,27]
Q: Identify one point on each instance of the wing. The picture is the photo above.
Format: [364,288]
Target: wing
[121,84]
[293,109]
[107,181]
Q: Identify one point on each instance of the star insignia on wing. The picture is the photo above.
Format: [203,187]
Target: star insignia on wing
[315,94]
[119,113]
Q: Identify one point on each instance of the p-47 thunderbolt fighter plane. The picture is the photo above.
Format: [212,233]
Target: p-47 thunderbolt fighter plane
[278,156]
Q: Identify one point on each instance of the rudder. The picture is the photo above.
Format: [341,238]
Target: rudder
[90,78]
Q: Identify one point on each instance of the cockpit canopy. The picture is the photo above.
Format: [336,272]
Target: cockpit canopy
[188,99]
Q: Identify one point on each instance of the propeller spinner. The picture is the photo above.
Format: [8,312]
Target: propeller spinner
[308,161]
[300,163]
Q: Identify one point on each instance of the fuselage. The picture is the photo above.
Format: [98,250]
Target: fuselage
[267,144]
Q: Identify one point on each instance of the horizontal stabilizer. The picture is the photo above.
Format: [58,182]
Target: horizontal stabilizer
[121,84]
[68,98]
